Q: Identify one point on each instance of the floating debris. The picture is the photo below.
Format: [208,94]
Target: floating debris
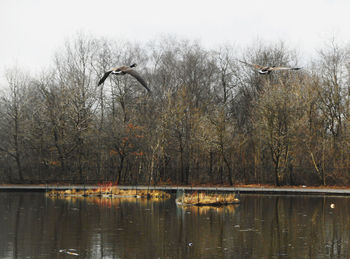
[332,205]
[69,251]
[248,230]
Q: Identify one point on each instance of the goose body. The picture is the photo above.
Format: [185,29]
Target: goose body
[122,71]
[264,70]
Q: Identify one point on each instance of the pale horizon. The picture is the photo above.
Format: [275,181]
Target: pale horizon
[33,30]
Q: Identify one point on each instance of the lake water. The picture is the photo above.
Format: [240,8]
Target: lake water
[262,226]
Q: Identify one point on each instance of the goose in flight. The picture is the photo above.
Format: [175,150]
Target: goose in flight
[122,71]
[267,69]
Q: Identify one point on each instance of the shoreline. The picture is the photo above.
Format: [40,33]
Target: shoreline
[302,190]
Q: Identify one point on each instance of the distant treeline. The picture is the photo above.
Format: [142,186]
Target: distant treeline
[208,120]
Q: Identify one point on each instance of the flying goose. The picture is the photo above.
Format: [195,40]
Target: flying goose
[122,71]
[267,69]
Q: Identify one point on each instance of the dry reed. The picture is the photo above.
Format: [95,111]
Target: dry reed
[111,191]
[201,198]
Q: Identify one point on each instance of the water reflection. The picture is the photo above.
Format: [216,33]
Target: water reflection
[34,226]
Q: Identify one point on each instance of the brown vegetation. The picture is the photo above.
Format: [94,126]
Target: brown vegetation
[209,118]
[202,198]
[110,192]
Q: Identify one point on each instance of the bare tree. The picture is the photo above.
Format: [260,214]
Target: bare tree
[13,114]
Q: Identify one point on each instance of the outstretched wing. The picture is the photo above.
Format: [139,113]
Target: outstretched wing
[138,77]
[285,68]
[104,77]
[252,65]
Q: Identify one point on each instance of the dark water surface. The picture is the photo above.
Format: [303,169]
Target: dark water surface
[262,226]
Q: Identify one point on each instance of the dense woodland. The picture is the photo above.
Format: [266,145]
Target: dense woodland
[208,120]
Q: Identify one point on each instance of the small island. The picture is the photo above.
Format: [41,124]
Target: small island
[202,198]
[110,191]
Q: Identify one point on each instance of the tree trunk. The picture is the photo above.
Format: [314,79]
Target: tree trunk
[182,176]
[60,152]
[120,169]
[17,155]
[229,170]
[277,183]
[211,167]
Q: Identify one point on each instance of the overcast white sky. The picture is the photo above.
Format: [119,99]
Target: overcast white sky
[31,30]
